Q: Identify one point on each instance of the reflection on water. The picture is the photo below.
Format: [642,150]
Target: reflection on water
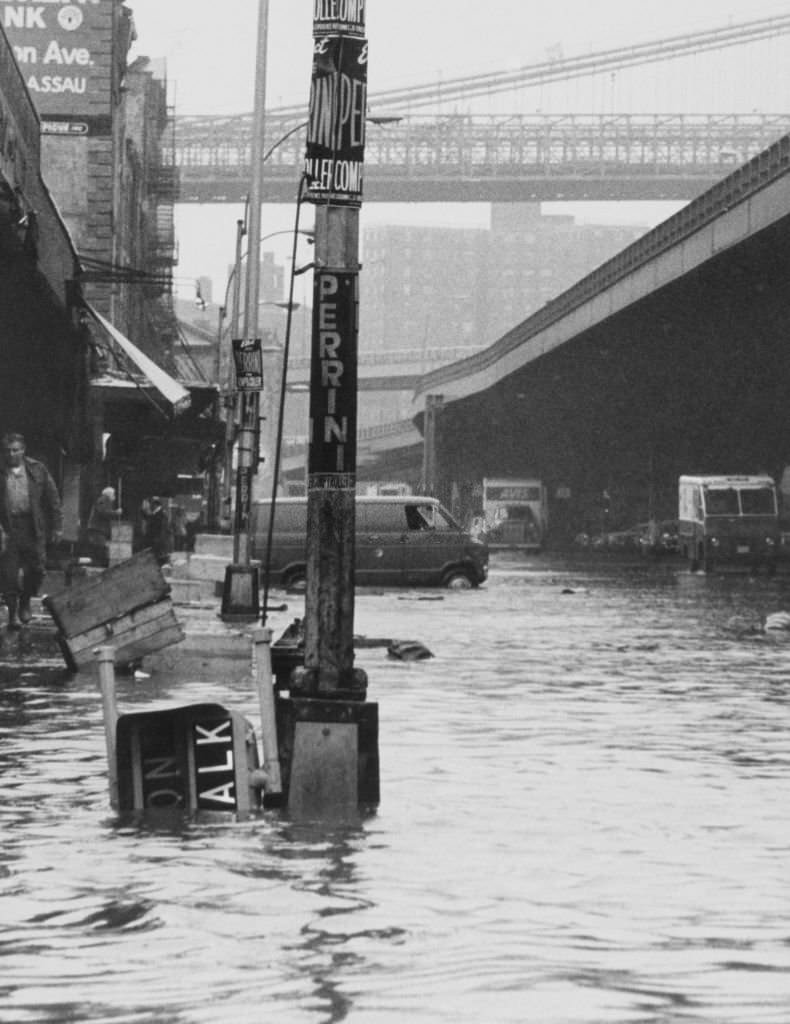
[583,819]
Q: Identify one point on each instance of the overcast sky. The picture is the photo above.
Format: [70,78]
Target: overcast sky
[209,47]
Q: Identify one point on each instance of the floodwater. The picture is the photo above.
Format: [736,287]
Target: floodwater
[584,818]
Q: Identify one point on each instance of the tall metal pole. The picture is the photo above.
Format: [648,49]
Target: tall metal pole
[231,411]
[240,597]
[250,402]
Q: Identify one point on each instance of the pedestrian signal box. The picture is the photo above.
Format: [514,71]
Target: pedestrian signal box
[192,759]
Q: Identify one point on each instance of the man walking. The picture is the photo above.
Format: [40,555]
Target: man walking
[31,516]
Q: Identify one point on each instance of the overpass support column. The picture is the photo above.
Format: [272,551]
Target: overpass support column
[433,406]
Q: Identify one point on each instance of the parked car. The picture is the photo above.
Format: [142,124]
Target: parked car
[660,537]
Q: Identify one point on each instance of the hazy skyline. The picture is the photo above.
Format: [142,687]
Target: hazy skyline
[210,53]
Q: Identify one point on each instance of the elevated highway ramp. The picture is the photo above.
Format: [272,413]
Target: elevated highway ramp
[669,358]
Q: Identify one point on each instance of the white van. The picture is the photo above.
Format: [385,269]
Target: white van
[728,520]
[405,540]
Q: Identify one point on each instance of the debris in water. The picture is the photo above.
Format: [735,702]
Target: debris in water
[408,650]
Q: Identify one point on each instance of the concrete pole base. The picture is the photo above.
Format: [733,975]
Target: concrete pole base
[241,600]
[329,757]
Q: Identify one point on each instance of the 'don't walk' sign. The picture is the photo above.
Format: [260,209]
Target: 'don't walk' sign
[248,363]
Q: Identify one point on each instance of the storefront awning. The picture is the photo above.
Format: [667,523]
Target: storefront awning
[176,394]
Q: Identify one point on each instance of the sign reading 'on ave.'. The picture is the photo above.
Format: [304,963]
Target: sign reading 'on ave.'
[64,51]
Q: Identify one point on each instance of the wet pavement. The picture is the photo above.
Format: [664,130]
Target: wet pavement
[583,819]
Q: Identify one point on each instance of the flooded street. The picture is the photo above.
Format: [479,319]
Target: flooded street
[584,818]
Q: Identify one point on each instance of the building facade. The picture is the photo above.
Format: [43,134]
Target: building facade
[105,150]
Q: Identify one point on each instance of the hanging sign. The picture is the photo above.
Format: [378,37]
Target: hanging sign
[65,52]
[248,362]
[332,453]
[335,150]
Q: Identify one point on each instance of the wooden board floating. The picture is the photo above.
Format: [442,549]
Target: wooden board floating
[127,606]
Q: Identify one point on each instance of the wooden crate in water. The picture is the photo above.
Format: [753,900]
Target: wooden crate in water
[127,607]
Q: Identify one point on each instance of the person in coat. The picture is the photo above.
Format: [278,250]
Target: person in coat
[31,517]
[98,532]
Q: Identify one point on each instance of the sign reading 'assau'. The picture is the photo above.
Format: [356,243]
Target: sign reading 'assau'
[65,53]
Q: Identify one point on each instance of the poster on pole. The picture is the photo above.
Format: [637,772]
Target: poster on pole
[335,150]
[248,362]
[332,16]
[332,450]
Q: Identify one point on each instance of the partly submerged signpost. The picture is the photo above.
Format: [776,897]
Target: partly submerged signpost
[329,729]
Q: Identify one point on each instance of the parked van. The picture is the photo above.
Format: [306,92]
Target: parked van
[728,520]
[399,541]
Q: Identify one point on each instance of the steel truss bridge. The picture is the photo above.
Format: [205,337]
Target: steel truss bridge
[489,158]
[474,157]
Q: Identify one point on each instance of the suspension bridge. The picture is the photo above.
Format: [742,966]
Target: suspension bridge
[470,156]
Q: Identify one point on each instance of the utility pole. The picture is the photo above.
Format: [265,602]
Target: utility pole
[433,407]
[334,163]
[240,598]
[334,767]
[230,394]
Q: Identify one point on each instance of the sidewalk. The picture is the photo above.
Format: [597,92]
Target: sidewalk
[209,642]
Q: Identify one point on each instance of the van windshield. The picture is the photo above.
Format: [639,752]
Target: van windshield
[758,502]
[722,502]
[747,501]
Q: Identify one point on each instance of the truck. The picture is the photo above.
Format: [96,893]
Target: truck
[729,521]
[515,512]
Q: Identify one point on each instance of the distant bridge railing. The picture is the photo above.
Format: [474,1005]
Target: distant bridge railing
[417,358]
[404,429]
[527,157]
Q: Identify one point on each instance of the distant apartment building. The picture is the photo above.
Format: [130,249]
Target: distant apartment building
[532,258]
[436,294]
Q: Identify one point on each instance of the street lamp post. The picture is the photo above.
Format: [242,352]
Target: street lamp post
[240,597]
[226,380]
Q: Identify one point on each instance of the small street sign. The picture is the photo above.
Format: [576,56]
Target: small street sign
[248,363]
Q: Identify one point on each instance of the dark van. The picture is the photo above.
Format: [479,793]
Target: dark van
[399,541]
[728,520]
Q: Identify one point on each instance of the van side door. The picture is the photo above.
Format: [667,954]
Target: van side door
[380,531]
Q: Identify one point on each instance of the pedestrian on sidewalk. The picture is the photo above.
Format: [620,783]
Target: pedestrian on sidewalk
[31,517]
[157,529]
[98,532]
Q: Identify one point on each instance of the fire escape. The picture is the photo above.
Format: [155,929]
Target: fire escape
[161,255]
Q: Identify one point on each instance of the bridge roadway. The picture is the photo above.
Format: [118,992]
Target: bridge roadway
[485,158]
[672,357]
